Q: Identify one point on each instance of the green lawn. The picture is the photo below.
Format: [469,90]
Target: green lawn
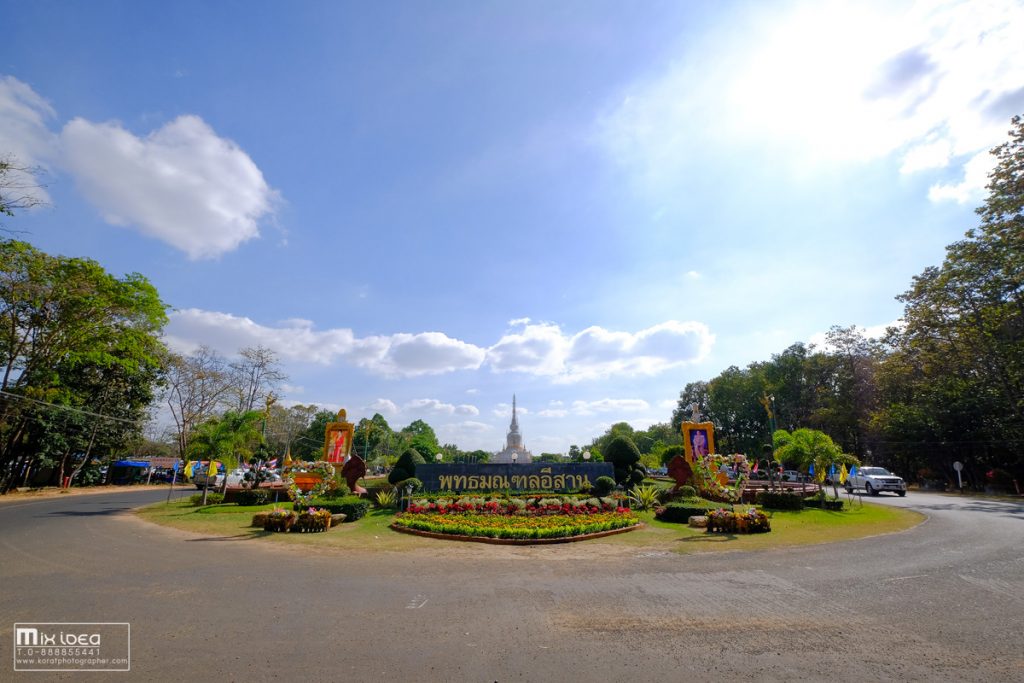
[371,533]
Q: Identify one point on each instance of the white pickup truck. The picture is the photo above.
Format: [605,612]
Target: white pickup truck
[874,480]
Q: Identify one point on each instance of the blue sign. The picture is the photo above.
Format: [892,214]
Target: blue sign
[533,477]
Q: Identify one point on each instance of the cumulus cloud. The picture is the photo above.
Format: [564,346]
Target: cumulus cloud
[399,355]
[505,410]
[543,349]
[932,84]
[609,405]
[552,412]
[383,406]
[537,349]
[182,184]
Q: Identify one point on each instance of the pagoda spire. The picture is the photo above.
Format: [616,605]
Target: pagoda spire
[515,423]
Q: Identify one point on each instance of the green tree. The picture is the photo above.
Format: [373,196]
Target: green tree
[60,316]
[804,448]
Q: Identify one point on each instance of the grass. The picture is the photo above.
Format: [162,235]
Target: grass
[789,529]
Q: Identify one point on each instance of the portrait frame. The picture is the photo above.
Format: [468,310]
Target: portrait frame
[340,429]
[689,429]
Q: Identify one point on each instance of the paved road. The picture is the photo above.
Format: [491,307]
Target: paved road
[942,601]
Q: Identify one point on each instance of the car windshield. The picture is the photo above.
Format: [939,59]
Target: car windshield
[877,471]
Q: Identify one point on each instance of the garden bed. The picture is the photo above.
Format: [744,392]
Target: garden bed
[523,528]
[515,541]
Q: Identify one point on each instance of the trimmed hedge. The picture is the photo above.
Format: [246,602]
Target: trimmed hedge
[680,512]
[405,468]
[823,504]
[779,501]
[196,500]
[252,496]
[353,507]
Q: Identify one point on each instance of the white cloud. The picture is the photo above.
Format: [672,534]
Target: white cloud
[24,135]
[831,81]
[543,349]
[972,187]
[432,406]
[552,412]
[400,355]
[182,184]
[693,274]
[609,405]
[383,406]
[539,349]
[668,403]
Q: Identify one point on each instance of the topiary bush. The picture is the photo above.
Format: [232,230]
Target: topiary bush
[779,501]
[405,468]
[687,491]
[681,511]
[625,457]
[252,496]
[671,452]
[603,486]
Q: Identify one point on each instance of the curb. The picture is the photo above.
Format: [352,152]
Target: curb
[512,541]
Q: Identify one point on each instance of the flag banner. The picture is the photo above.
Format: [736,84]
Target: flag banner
[755,467]
[271,464]
[843,474]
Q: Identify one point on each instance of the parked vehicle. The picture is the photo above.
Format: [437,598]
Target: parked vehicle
[793,475]
[200,480]
[874,480]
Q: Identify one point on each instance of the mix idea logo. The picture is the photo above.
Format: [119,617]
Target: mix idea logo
[72,646]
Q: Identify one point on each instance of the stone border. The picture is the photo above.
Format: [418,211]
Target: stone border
[512,541]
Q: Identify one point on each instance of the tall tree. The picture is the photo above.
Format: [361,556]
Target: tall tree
[197,387]
[254,376]
[59,317]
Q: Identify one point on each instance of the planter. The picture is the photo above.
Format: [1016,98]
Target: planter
[306,481]
[280,523]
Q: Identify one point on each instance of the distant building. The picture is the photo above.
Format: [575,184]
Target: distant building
[513,444]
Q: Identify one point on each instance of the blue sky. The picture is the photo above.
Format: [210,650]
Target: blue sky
[427,207]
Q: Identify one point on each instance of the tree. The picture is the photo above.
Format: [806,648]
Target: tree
[60,316]
[807,449]
[254,376]
[550,457]
[231,438]
[420,436]
[309,443]
[625,456]
[19,186]
[955,374]
[197,386]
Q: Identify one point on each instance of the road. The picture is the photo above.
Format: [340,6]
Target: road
[942,601]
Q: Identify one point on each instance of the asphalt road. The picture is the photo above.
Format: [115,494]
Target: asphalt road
[940,602]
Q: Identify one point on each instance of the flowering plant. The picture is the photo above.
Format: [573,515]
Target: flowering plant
[280,519]
[751,521]
[708,469]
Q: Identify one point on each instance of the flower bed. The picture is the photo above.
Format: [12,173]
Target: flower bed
[515,506]
[752,521]
[528,526]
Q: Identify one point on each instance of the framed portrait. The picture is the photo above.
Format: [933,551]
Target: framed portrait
[338,439]
[698,439]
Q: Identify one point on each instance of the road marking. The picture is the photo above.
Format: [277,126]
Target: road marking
[904,578]
[416,602]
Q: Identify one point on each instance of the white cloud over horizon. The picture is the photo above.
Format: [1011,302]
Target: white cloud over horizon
[538,349]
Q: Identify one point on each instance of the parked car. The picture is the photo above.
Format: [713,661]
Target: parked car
[792,475]
[874,480]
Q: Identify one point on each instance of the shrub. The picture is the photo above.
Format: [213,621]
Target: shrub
[671,452]
[386,498]
[353,507]
[211,499]
[340,490]
[645,497]
[779,501]
[252,496]
[680,512]
[405,468]
[687,491]
[603,486]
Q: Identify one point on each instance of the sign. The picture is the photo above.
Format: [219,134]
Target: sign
[958,466]
[533,477]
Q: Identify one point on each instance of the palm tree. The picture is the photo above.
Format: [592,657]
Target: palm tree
[226,438]
[806,447]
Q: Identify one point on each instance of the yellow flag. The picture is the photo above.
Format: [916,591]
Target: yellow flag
[213,469]
[843,474]
[288,457]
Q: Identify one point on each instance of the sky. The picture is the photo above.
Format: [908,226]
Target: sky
[425,208]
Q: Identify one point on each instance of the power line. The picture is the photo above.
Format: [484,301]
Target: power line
[69,408]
